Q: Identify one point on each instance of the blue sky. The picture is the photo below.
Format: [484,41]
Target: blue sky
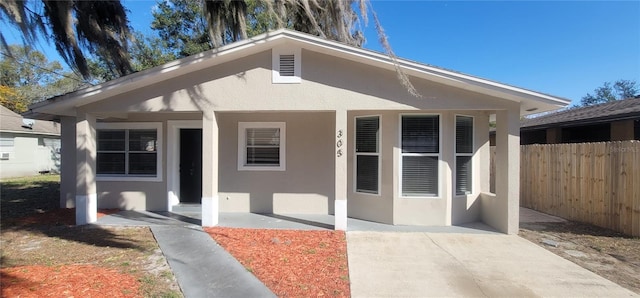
[565,49]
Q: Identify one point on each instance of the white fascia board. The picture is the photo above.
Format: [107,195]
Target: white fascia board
[30,133]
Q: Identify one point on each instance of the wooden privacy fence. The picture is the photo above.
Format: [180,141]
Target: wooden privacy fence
[596,183]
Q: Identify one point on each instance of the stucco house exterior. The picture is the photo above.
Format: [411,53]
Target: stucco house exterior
[27,147]
[290,123]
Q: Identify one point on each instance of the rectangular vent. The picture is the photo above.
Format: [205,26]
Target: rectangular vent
[287,66]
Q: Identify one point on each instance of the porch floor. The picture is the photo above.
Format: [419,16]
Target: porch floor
[276,221]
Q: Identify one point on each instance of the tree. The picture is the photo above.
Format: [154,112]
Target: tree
[10,99]
[181,24]
[27,76]
[620,89]
[101,26]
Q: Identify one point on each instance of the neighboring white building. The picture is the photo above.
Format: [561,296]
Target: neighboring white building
[27,147]
[290,123]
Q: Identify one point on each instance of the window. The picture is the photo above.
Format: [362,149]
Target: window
[261,146]
[420,141]
[6,144]
[128,150]
[464,154]
[286,65]
[367,147]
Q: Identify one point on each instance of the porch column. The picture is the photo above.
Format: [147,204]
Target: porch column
[340,210]
[68,162]
[86,197]
[209,169]
[507,170]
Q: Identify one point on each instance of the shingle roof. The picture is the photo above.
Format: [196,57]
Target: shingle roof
[10,121]
[606,112]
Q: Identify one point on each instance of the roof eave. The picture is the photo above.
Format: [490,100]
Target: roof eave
[65,105]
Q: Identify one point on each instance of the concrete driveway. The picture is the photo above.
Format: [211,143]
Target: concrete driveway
[423,264]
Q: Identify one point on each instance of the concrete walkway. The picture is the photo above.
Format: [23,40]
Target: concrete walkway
[201,266]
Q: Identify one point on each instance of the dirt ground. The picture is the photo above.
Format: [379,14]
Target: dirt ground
[55,244]
[602,251]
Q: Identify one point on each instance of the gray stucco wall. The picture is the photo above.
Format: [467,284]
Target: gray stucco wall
[306,186]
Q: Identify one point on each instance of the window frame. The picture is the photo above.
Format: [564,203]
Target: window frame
[401,155]
[127,126]
[456,154]
[276,78]
[378,153]
[242,148]
[8,144]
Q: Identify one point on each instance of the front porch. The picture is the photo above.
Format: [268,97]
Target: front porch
[316,169]
[191,217]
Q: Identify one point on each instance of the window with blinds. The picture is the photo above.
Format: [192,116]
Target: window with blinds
[261,145]
[127,152]
[464,154]
[420,155]
[367,154]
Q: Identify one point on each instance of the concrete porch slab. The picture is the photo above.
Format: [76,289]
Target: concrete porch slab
[277,221]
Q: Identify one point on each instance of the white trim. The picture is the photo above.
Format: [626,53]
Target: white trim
[456,154]
[355,156]
[31,133]
[173,158]
[439,155]
[340,214]
[86,209]
[210,211]
[276,78]
[242,149]
[133,126]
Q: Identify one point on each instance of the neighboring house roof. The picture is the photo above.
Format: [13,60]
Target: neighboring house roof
[606,112]
[11,121]
[531,101]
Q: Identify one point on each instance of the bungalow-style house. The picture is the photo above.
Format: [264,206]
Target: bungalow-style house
[612,121]
[27,147]
[290,123]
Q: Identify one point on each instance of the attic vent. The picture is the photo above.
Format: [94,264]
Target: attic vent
[287,65]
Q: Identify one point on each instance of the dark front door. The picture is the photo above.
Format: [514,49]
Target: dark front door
[190,165]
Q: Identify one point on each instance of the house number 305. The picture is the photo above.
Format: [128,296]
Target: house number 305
[339,143]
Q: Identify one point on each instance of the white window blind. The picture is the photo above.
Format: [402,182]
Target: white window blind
[420,155]
[261,146]
[464,154]
[367,154]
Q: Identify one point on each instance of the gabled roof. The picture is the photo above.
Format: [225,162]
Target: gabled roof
[65,105]
[10,121]
[606,112]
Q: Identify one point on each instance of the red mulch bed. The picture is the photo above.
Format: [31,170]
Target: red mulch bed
[63,216]
[291,263]
[66,281]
